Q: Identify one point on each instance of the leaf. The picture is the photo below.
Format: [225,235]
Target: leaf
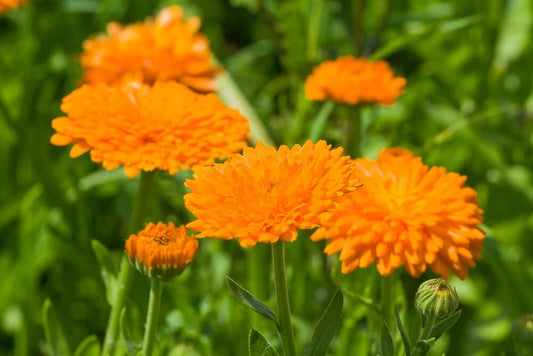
[258,345]
[108,270]
[403,333]
[327,326]
[55,337]
[387,344]
[252,302]
[370,303]
[422,346]
[130,338]
[90,346]
[445,324]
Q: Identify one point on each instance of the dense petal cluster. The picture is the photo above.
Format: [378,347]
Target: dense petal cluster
[7,5]
[168,48]
[167,126]
[349,80]
[266,194]
[161,250]
[406,214]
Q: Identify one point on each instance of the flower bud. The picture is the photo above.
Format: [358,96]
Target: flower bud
[161,250]
[522,334]
[436,297]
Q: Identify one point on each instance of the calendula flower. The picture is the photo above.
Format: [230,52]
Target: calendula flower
[406,214]
[7,5]
[161,250]
[167,126]
[349,80]
[167,48]
[265,194]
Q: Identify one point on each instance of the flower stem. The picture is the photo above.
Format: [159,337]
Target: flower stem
[426,333]
[387,303]
[152,316]
[282,296]
[318,125]
[125,273]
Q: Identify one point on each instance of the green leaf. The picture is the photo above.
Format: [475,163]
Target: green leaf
[55,338]
[387,344]
[370,303]
[258,345]
[252,302]
[422,346]
[403,333]
[108,269]
[445,324]
[90,346]
[130,338]
[327,326]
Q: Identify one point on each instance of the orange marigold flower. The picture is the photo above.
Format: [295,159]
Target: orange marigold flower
[7,5]
[166,126]
[169,48]
[266,194]
[161,250]
[349,80]
[406,214]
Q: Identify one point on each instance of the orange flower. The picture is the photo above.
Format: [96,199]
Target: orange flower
[166,126]
[348,80]
[161,250]
[7,5]
[266,194]
[169,48]
[406,214]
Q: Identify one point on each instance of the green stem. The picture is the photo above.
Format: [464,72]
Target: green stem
[256,258]
[152,316]
[320,121]
[387,302]
[125,274]
[351,121]
[282,296]
[426,333]
[313,31]
[358,7]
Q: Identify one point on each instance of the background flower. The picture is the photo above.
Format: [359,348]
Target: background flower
[406,214]
[168,48]
[349,80]
[6,5]
[266,194]
[166,126]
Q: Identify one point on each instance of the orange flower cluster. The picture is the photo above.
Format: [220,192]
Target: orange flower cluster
[169,48]
[348,80]
[406,214]
[265,194]
[166,126]
[7,5]
[161,250]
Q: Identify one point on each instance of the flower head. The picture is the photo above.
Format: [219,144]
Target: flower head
[166,126]
[168,48]
[161,250]
[406,214]
[349,80]
[7,5]
[265,194]
[436,297]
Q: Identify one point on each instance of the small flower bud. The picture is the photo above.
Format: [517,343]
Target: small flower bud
[436,297]
[161,250]
[522,334]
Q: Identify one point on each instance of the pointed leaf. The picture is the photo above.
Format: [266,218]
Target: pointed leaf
[252,302]
[403,333]
[445,324]
[422,346]
[55,338]
[327,326]
[370,303]
[90,346]
[108,269]
[387,344]
[130,339]
[258,345]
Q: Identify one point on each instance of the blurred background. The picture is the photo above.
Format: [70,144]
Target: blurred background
[468,106]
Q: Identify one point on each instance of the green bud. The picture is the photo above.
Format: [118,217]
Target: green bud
[436,297]
[522,334]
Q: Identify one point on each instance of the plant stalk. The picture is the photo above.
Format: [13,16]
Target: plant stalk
[320,120]
[282,297]
[387,301]
[156,287]
[125,273]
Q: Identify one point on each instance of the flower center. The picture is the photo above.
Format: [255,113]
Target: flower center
[162,240]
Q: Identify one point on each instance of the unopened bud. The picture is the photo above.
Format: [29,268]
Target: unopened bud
[436,297]
[522,334]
